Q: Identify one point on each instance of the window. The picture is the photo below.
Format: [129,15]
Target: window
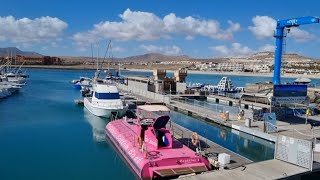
[107,95]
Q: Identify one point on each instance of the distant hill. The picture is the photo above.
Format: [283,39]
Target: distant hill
[156,57]
[153,57]
[270,56]
[150,57]
[15,51]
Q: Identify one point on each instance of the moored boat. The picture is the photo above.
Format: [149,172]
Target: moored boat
[105,100]
[225,85]
[82,82]
[149,147]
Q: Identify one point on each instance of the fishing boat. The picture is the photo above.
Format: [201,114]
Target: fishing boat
[149,148]
[105,100]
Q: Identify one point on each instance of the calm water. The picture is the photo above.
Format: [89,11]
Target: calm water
[253,148]
[44,135]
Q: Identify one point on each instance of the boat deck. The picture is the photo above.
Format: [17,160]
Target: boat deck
[131,131]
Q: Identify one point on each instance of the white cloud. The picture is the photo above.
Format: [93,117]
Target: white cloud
[189,38]
[234,27]
[138,25]
[300,35]
[264,27]
[27,30]
[168,50]
[267,47]
[118,49]
[191,26]
[236,50]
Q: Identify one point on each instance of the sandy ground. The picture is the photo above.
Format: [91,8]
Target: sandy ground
[81,67]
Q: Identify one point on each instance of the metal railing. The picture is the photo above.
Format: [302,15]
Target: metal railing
[208,106]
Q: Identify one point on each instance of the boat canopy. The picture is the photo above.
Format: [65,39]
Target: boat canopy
[161,122]
[154,108]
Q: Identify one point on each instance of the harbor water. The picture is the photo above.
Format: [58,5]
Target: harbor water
[44,135]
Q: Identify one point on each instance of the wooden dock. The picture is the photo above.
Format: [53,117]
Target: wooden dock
[208,148]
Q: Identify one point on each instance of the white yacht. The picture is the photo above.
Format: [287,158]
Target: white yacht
[105,100]
[16,78]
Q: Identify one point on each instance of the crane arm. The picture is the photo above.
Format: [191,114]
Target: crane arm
[279,35]
[297,21]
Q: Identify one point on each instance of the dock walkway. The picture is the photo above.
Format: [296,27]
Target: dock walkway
[270,169]
[238,101]
[301,130]
[208,148]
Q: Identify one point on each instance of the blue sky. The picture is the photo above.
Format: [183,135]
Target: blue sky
[203,28]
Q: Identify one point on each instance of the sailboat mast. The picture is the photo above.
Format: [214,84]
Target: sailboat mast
[109,56]
[98,59]
[119,69]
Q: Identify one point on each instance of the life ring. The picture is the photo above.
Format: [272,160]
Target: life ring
[194,138]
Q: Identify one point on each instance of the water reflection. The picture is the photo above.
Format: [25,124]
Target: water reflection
[223,134]
[98,126]
[253,148]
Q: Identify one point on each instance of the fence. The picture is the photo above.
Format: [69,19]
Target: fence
[145,93]
[295,151]
[296,146]
[206,105]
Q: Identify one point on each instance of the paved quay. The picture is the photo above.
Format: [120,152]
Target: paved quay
[270,169]
[208,148]
[301,130]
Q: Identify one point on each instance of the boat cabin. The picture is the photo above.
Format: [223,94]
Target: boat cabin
[153,120]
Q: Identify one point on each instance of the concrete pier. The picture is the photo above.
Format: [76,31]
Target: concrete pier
[270,169]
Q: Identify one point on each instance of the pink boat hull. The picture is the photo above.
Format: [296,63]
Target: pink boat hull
[154,162]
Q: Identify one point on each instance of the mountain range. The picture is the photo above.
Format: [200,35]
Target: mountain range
[156,57]
[8,51]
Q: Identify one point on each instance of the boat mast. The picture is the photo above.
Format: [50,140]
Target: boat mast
[98,59]
[105,55]
[119,69]
[109,47]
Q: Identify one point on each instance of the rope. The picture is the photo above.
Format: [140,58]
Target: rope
[304,133]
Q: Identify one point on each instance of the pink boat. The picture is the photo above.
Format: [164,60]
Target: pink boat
[149,148]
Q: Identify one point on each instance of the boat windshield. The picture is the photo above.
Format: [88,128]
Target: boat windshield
[152,111]
[107,95]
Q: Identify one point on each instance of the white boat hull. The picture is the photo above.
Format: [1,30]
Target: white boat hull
[101,112]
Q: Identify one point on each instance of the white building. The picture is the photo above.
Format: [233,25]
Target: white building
[236,67]
[263,68]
